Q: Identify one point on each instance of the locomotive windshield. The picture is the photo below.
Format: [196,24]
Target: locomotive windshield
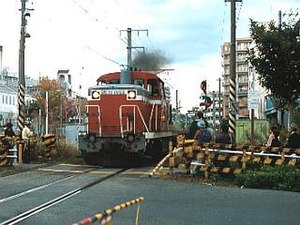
[152,87]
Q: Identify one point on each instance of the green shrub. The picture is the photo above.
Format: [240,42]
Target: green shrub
[277,178]
[65,149]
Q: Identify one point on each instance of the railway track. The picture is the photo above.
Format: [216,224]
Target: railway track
[73,174]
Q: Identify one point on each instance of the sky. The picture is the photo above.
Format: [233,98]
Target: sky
[88,37]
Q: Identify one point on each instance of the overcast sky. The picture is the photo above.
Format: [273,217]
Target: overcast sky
[84,36]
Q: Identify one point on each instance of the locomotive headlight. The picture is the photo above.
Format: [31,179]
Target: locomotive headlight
[95,94]
[131,94]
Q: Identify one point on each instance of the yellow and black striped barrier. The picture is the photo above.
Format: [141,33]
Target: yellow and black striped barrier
[49,141]
[105,218]
[159,165]
[3,157]
[14,150]
[232,158]
[8,150]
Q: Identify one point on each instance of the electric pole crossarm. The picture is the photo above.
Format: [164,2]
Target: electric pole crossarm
[129,44]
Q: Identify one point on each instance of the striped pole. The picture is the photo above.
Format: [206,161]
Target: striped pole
[21,103]
[21,91]
[233,109]
[232,90]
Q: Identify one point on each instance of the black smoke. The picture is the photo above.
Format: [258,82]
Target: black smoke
[150,61]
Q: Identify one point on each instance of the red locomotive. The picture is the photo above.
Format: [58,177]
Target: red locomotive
[129,117]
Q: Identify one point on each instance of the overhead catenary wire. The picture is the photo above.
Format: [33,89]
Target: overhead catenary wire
[107,24]
[105,57]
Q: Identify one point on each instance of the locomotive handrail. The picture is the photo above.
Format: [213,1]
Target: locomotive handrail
[140,114]
[151,115]
[99,118]
[154,106]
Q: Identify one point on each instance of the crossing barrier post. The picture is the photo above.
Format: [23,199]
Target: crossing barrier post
[171,159]
[12,156]
[244,159]
[20,146]
[207,163]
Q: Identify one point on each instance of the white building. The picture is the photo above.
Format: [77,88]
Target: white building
[8,104]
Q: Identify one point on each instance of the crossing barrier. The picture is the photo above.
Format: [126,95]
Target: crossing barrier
[105,218]
[12,156]
[3,157]
[8,151]
[233,162]
[171,157]
[14,151]
[49,140]
[159,165]
[230,158]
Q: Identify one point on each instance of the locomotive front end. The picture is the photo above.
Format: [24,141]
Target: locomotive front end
[124,119]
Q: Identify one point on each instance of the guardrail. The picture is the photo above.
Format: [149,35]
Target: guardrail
[105,218]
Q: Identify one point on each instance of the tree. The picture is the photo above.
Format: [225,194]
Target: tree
[276,58]
[57,100]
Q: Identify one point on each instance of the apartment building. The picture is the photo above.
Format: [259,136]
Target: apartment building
[242,76]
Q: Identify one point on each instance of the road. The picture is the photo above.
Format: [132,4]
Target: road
[165,202]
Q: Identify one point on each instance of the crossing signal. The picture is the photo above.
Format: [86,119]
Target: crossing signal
[207,102]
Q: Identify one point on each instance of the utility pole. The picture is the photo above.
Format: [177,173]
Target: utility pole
[129,48]
[21,92]
[214,111]
[220,117]
[232,89]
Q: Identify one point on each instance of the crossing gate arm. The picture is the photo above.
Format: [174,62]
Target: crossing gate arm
[105,217]
[294,156]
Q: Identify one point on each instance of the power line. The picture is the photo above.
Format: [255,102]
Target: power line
[105,57]
[96,19]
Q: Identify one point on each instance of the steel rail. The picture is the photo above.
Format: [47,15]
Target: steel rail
[46,205]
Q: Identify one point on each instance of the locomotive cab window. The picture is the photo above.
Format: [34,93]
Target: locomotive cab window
[139,82]
[153,87]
